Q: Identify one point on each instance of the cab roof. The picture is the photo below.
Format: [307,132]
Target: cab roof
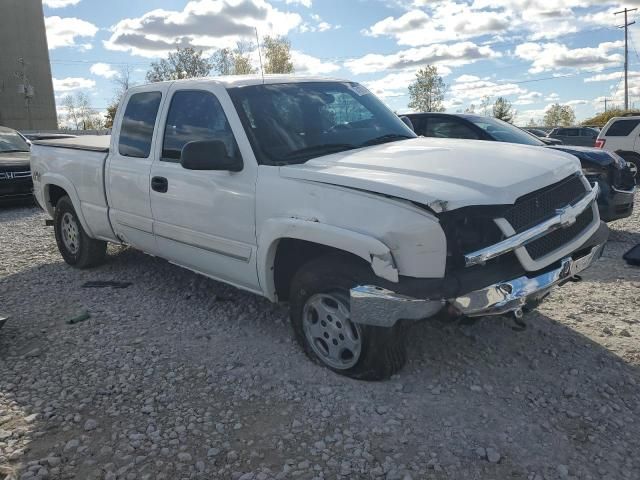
[231,81]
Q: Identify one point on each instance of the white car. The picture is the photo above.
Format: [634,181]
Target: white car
[312,191]
[621,135]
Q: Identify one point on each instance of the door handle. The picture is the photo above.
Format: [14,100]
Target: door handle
[160,184]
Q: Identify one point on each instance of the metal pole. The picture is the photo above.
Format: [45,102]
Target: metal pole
[626,54]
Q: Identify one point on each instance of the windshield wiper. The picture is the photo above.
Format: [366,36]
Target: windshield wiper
[390,137]
[319,150]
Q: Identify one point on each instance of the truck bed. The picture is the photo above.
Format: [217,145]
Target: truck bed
[92,143]
[77,166]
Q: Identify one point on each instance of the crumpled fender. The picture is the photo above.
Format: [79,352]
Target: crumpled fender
[366,247]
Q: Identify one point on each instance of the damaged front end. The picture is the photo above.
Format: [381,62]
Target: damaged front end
[501,259]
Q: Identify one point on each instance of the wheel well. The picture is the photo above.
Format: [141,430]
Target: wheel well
[293,254]
[55,194]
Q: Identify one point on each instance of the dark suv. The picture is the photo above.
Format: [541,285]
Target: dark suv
[610,171]
[580,136]
[15,170]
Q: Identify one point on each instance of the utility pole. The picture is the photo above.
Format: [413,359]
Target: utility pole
[626,54]
[605,104]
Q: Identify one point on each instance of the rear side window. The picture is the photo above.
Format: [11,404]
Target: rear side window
[622,128]
[195,116]
[449,128]
[138,124]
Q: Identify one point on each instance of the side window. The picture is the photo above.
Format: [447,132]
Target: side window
[561,131]
[419,124]
[138,124]
[573,132]
[194,116]
[449,128]
[622,128]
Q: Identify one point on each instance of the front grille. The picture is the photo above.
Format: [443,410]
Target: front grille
[15,175]
[558,238]
[541,205]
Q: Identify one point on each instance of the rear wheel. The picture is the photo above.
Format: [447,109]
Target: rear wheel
[76,247]
[321,320]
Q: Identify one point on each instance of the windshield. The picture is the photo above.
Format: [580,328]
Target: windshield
[12,142]
[505,132]
[295,122]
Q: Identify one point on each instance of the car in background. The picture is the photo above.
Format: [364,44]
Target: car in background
[542,136]
[16,184]
[614,176]
[621,135]
[579,136]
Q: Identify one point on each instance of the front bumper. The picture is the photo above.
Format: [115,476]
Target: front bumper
[615,204]
[380,307]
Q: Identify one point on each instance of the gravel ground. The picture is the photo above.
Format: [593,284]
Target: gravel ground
[182,377]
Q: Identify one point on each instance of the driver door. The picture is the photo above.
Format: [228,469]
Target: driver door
[205,220]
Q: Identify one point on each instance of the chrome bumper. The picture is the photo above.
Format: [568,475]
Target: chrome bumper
[383,308]
[512,295]
[563,218]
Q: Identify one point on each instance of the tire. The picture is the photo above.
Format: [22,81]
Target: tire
[319,307]
[76,247]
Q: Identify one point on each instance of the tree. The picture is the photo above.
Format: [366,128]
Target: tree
[502,110]
[277,55]
[485,105]
[234,62]
[123,83]
[532,122]
[183,63]
[559,116]
[426,93]
[79,114]
[470,109]
[601,119]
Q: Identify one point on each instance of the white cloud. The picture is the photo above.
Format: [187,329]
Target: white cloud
[63,32]
[304,3]
[445,21]
[63,85]
[103,70]
[469,87]
[575,103]
[203,24]
[609,77]
[59,3]
[452,55]
[528,98]
[553,56]
[308,65]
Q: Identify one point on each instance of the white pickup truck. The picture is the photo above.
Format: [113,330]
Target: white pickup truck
[311,191]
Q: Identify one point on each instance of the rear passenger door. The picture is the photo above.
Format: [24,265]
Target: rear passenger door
[205,220]
[129,167]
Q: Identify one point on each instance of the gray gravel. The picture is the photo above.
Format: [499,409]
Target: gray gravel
[180,377]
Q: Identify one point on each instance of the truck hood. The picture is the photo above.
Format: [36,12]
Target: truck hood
[14,160]
[443,174]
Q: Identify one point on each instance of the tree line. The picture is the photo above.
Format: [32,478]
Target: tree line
[427,93]
[181,64]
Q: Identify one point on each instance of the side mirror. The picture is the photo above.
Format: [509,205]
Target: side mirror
[208,155]
[407,121]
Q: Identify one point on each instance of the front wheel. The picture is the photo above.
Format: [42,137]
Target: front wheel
[76,247]
[321,320]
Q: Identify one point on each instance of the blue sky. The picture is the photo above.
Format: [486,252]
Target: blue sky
[535,53]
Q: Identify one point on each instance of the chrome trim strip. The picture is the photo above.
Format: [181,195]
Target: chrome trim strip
[564,218]
[630,192]
[376,306]
[512,295]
